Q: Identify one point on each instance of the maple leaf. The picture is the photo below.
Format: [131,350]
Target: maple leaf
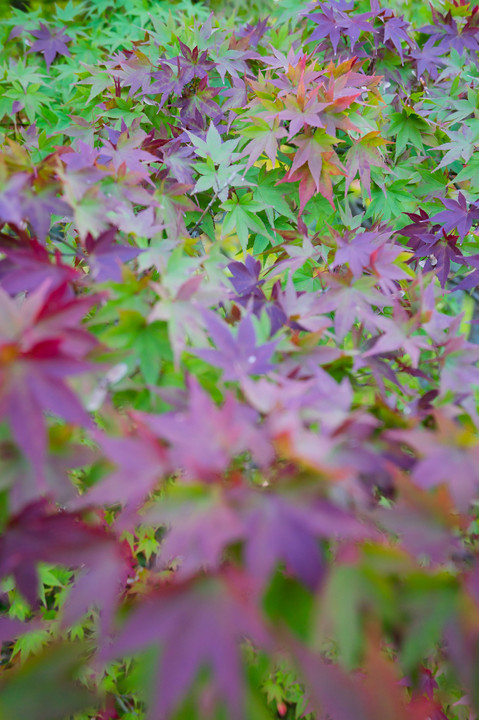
[199,103]
[26,268]
[383,266]
[105,256]
[351,301]
[219,613]
[192,63]
[225,432]
[356,250]
[441,250]
[11,211]
[263,139]
[136,73]
[458,362]
[428,58]
[297,309]
[50,42]
[446,33]
[279,528]
[38,207]
[41,534]
[311,149]
[200,527]
[245,277]
[41,345]
[22,479]
[236,356]
[328,26]
[462,145]
[471,280]
[363,155]
[398,333]
[309,185]
[457,216]
[447,457]
[395,30]
[301,113]
[180,306]
[140,463]
[127,149]
[177,159]
[354,25]
[81,170]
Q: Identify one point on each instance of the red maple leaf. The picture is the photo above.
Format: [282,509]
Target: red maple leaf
[41,344]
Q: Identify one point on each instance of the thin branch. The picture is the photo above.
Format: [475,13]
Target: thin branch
[194,232]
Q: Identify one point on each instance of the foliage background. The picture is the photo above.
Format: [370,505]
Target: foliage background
[238,360]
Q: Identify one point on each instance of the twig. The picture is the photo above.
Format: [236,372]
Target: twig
[194,232]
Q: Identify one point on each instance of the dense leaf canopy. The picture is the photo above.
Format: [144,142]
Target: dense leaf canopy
[238,360]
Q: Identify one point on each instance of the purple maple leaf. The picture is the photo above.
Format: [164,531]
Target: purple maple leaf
[395,30]
[245,276]
[11,211]
[50,42]
[443,459]
[219,613]
[25,268]
[192,63]
[105,257]
[126,148]
[204,438]
[39,534]
[457,216]
[141,462]
[236,356]
[398,333]
[281,529]
[356,250]
[471,280]
[428,58]
[199,531]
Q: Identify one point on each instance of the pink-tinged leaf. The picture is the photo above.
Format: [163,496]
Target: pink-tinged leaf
[40,345]
[200,527]
[363,155]
[263,140]
[311,149]
[26,268]
[141,463]
[204,438]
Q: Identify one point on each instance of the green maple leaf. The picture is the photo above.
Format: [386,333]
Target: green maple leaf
[242,216]
[20,72]
[470,172]
[389,203]
[408,130]
[221,153]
